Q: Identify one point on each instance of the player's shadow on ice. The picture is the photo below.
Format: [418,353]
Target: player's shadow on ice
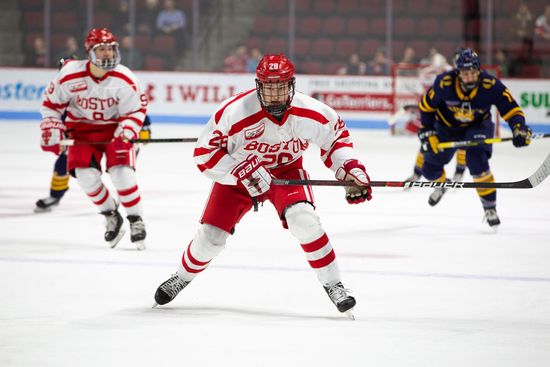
[211,311]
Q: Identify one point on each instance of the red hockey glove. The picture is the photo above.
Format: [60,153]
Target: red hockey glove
[121,146]
[52,134]
[253,175]
[353,170]
[522,135]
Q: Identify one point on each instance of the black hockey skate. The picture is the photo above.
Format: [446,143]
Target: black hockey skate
[491,217]
[341,299]
[46,204]
[168,290]
[113,227]
[137,231]
[436,195]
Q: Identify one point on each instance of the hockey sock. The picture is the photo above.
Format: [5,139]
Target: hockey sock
[89,180]
[125,181]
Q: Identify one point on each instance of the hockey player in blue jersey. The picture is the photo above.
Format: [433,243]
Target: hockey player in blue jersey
[458,107]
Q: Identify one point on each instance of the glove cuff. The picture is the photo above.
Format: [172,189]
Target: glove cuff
[51,123]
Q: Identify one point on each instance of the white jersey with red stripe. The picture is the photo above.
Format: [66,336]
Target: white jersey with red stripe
[242,127]
[91,102]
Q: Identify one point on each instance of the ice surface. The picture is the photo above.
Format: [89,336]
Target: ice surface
[434,286]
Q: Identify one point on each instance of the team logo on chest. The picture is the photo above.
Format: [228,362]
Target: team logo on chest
[255,132]
[78,86]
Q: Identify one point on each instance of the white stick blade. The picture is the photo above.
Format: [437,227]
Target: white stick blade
[541,173]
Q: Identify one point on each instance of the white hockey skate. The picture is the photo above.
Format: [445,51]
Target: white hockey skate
[169,289]
[492,218]
[436,195]
[457,177]
[46,204]
[413,177]
[341,299]
[137,231]
[113,227]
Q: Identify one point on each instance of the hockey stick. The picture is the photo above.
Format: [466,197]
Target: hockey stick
[535,179]
[71,142]
[470,143]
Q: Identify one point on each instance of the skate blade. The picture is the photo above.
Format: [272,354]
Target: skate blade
[349,313]
[140,245]
[117,239]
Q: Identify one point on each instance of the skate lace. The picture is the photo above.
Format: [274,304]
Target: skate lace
[137,227]
[337,293]
[111,222]
[491,215]
[174,285]
[457,177]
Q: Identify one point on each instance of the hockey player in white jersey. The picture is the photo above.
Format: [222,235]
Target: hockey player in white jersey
[257,135]
[105,109]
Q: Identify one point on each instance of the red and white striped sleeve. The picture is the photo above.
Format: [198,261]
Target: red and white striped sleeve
[212,151]
[55,100]
[132,101]
[334,139]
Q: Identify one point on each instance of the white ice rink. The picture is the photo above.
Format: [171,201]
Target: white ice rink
[434,286]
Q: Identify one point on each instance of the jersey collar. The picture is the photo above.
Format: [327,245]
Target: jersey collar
[97,80]
[274,120]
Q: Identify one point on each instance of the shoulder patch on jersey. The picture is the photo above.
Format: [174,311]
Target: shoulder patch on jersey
[255,132]
[446,81]
[77,86]
[488,83]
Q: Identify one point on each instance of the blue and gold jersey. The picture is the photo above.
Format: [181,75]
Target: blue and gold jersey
[447,105]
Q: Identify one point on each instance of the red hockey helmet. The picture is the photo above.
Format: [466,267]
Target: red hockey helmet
[99,36]
[275,83]
[102,37]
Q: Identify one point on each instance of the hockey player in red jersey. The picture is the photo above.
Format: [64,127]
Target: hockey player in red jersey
[105,109]
[257,135]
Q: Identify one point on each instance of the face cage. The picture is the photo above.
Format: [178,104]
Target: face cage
[107,64]
[276,109]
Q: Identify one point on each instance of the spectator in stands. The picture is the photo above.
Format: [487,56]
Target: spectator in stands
[409,57]
[253,60]
[427,60]
[37,56]
[171,20]
[354,66]
[129,55]
[236,62]
[408,60]
[501,59]
[523,23]
[380,64]
[146,20]
[542,25]
[71,49]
